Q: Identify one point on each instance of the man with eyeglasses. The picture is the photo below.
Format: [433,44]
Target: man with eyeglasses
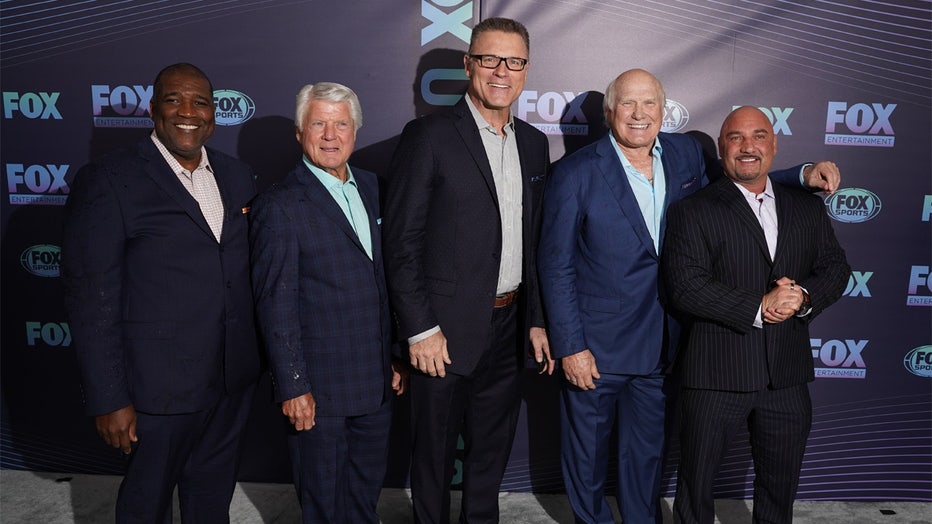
[460,232]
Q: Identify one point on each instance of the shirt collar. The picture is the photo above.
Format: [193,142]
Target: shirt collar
[481,122]
[656,151]
[768,191]
[173,163]
[329,181]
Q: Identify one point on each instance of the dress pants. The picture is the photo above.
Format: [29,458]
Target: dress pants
[484,407]
[637,404]
[778,422]
[339,465]
[198,452]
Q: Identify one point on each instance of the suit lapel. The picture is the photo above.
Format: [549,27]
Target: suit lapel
[466,126]
[785,219]
[734,199]
[161,173]
[370,201]
[321,200]
[614,174]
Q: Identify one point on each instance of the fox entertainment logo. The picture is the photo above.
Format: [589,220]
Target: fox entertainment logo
[121,106]
[864,124]
[561,112]
[841,358]
[919,283]
[779,117]
[40,184]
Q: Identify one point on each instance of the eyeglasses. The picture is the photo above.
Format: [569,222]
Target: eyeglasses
[513,63]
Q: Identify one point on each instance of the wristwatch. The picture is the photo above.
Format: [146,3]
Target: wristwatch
[806,307]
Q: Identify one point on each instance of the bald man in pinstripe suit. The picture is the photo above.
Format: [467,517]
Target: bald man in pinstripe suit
[752,263]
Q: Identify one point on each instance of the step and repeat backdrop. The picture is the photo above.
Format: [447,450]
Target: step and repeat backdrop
[849,82]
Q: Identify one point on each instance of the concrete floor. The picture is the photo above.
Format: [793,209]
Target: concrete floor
[50,498]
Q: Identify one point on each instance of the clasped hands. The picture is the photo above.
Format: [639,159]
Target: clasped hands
[781,302]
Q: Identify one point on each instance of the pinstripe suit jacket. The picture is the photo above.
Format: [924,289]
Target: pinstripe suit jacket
[321,303]
[718,268]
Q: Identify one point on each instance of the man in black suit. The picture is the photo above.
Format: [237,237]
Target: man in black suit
[752,263]
[155,264]
[461,223]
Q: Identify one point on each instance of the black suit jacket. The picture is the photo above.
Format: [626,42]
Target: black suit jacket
[161,314]
[443,237]
[321,302]
[718,268]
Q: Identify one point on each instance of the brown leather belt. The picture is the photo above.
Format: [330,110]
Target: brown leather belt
[505,298]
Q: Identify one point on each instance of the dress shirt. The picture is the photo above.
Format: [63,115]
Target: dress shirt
[502,151]
[346,195]
[650,196]
[764,207]
[205,192]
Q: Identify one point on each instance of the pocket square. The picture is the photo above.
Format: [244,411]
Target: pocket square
[686,185]
[245,210]
[378,221]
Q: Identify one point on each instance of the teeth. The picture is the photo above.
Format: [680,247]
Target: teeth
[498,85]
[186,126]
[638,126]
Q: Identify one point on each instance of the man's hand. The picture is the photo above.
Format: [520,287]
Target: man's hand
[400,374]
[118,428]
[781,302]
[580,369]
[430,355]
[300,411]
[824,176]
[541,348]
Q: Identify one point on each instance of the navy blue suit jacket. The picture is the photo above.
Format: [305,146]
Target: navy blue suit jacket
[321,303]
[599,271]
[161,314]
[718,268]
[443,234]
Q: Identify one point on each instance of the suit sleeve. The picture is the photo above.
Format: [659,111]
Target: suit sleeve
[830,270]
[557,262]
[405,228]
[536,316]
[274,257]
[687,264]
[92,273]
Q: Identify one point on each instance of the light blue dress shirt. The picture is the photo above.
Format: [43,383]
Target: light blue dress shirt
[346,195]
[650,197]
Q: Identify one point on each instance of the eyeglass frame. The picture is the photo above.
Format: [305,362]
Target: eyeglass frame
[480,58]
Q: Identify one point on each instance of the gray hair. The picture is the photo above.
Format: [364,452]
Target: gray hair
[330,92]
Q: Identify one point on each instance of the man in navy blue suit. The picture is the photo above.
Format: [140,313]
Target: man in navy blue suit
[155,265]
[602,231]
[752,263]
[323,312]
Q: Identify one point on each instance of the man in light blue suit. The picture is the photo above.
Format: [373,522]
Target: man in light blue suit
[322,307]
[598,260]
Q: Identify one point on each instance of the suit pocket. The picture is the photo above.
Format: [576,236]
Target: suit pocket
[601,304]
[441,287]
[149,330]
